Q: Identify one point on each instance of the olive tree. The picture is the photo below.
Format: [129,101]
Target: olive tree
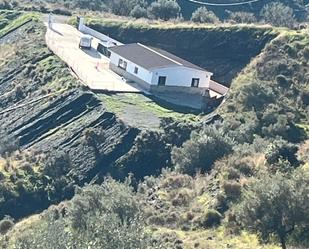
[276,205]
[99,216]
[164,9]
[278,15]
[124,7]
[202,150]
[203,15]
[242,17]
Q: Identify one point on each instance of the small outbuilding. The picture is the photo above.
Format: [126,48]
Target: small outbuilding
[153,68]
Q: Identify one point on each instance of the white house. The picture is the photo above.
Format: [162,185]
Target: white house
[153,68]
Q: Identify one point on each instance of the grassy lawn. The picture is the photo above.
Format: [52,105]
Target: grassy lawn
[13,19]
[139,110]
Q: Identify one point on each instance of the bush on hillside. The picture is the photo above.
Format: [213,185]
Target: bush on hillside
[6,224]
[280,151]
[203,15]
[147,156]
[5,4]
[89,4]
[202,150]
[124,7]
[232,190]
[106,216]
[276,206]
[278,15]
[255,96]
[306,53]
[138,12]
[282,81]
[209,219]
[241,127]
[164,9]
[8,144]
[176,133]
[242,17]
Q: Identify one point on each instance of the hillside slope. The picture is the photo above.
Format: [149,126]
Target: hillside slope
[274,86]
[48,118]
[56,134]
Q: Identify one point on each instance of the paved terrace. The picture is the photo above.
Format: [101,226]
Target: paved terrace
[89,65]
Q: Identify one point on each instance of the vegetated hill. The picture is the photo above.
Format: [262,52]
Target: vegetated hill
[50,120]
[170,205]
[255,166]
[224,50]
[274,87]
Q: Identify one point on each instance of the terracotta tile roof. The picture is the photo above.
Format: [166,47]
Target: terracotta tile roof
[217,87]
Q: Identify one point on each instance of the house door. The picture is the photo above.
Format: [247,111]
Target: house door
[161,80]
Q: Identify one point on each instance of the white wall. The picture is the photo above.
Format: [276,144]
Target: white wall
[175,76]
[181,76]
[143,74]
[89,31]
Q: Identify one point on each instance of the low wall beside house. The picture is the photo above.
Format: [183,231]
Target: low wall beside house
[196,98]
[143,84]
[89,31]
[177,89]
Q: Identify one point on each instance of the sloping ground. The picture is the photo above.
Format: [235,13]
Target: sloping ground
[68,117]
[45,110]
[44,107]
[224,50]
[172,205]
[275,84]
[83,125]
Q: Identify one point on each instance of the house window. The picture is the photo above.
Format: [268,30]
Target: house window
[161,80]
[122,64]
[195,82]
[136,70]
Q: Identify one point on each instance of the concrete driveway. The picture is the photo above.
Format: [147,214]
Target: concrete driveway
[89,65]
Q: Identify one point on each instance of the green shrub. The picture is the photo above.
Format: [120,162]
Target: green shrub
[232,189]
[282,81]
[8,144]
[138,12]
[242,17]
[202,150]
[278,14]
[164,9]
[202,15]
[306,53]
[233,174]
[276,206]
[182,198]
[6,224]
[148,155]
[255,96]
[281,149]
[176,181]
[210,218]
